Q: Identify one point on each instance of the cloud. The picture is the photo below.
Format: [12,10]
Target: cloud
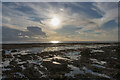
[109,12]
[32,33]
[35,30]
[84,16]
[12,14]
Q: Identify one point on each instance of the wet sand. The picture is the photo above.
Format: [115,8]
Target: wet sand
[61,61]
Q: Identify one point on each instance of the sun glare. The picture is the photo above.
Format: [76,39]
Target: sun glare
[55,21]
[54,41]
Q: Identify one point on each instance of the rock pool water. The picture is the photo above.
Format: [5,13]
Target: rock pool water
[76,62]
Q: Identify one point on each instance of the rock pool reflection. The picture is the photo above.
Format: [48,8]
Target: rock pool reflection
[65,62]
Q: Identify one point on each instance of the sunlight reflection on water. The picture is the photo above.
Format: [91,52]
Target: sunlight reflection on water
[36,50]
[70,58]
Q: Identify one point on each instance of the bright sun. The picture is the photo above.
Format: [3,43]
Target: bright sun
[55,21]
[54,41]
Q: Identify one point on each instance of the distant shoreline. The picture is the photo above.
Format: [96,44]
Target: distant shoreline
[29,45]
[60,42]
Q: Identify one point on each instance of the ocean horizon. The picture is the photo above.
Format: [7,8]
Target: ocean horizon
[62,42]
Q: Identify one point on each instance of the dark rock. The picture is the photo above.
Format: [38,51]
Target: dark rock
[13,50]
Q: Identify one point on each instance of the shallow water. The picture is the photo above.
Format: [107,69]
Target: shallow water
[76,61]
[75,70]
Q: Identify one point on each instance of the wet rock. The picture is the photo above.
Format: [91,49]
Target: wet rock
[25,57]
[14,51]
[117,76]
[3,51]
[13,62]
[32,72]
[55,68]
[4,55]
[86,52]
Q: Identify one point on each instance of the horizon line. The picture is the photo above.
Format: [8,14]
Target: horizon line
[61,42]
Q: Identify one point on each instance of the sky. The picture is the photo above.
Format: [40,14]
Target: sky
[59,21]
